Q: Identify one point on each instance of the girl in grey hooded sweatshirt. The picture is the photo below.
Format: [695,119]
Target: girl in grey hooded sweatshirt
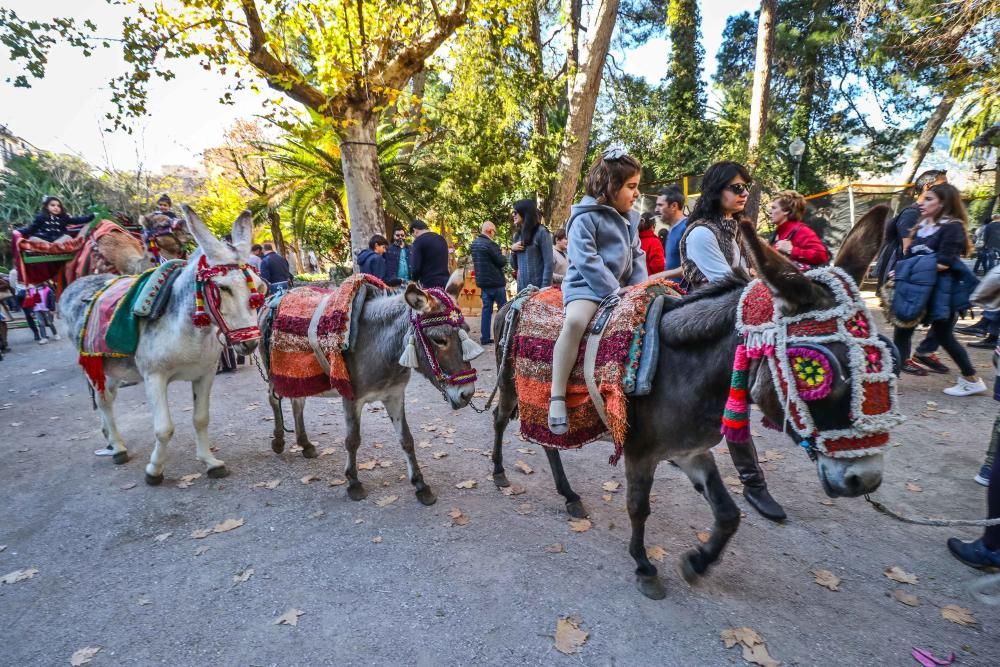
[604,257]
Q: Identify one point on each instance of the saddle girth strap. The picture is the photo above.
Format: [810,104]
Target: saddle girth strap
[313,332]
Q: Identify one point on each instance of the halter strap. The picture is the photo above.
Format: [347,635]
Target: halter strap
[452,316]
[207,298]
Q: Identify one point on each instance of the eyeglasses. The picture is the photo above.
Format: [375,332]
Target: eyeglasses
[738,189]
[613,154]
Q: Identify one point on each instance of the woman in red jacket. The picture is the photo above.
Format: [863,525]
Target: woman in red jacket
[794,238]
[650,243]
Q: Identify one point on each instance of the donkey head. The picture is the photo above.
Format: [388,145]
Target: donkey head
[823,371]
[231,290]
[439,346]
[171,235]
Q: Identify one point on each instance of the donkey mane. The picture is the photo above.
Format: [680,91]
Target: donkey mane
[712,319]
[385,312]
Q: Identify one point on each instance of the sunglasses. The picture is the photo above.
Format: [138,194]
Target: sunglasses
[738,189]
[613,154]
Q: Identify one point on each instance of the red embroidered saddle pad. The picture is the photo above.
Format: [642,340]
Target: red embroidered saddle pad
[92,346]
[295,370]
[617,355]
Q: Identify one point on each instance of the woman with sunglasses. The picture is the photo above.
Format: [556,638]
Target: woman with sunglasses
[710,251]
[605,256]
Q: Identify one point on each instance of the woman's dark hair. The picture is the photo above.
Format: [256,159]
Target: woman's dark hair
[48,200]
[528,209]
[377,239]
[952,209]
[608,174]
[559,235]
[663,234]
[713,182]
[647,221]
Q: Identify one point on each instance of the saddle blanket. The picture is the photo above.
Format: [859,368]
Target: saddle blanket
[295,370]
[618,355]
[92,345]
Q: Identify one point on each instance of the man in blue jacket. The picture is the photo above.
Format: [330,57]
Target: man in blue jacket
[397,258]
[372,259]
[489,263]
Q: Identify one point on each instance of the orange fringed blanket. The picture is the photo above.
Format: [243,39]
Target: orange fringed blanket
[295,370]
[617,355]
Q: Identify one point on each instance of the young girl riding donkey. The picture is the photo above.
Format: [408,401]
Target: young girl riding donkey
[605,257]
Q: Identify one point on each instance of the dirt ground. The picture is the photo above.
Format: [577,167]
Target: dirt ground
[386,581]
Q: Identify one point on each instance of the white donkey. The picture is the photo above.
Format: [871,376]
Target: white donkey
[213,299]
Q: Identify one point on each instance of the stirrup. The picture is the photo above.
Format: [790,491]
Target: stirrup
[558,425]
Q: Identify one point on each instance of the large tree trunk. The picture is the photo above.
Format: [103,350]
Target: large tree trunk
[926,138]
[359,159]
[572,10]
[760,97]
[582,101]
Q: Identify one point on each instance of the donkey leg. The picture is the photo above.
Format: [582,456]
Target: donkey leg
[502,414]
[639,474]
[395,405]
[163,427]
[278,437]
[109,427]
[352,413]
[704,474]
[301,438]
[201,390]
[573,503]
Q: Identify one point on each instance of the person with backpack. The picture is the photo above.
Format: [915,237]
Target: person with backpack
[794,238]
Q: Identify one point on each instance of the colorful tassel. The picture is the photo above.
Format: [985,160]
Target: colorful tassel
[470,348]
[409,356]
[736,418]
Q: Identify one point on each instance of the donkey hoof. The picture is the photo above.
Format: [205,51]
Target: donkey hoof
[154,480]
[692,565]
[576,509]
[651,586]
[500,479]
[309,451]
[218,472]
[426,496]
[277,446]
[119,458]
[357,491]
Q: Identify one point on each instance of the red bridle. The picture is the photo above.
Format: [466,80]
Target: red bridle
[207,298]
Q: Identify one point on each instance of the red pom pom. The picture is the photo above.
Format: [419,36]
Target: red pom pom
[201,319]
[256,300]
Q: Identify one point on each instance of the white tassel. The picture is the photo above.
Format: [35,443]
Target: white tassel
[470,348]
[409,356]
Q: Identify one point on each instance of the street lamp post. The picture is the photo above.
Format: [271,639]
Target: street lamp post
[796,149]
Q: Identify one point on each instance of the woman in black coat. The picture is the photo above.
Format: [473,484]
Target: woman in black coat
[52,221]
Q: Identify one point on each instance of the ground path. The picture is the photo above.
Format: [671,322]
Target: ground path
[387,581]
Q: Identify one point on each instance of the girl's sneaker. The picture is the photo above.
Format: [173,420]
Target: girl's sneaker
[967,388]
[43,341]
[56,337]
[983,477]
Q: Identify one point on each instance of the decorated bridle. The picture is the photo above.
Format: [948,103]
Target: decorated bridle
[803,369]
[150,237]
[450,315]
[207,298]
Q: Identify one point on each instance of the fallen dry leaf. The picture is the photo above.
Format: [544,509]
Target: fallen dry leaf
[423,444]
[186,480]
[611,486]
[225,526]
[754,650]
[337,482]
[307,479]
[439,455]
[243,575]
[200,550]
[18,575]
[386,500]
[656,552]
[555,548]
[827,579]
[827,502]
[524,450]
[83,656]
[126,487]
[457,518]
[161,537]
[704,536]
[758,655]
[368,465]
[290,617]
[523,467]
[606,497]
[524,508]
[513,490]
[467,484]
[142,602]
[897,573]
[272,484]
[956,614]
[377,539]
[317,514]
[382,463]
[909,599]
[916,488]
[326,451]
[580,525]
[569,637]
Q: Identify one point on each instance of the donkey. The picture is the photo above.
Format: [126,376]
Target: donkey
[166,238]
[184,343]
[680,419]
[377,372]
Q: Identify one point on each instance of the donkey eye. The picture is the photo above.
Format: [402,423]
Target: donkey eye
[439,341]
[226,289]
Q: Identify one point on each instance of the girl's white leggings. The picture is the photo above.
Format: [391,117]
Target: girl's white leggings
[578,316]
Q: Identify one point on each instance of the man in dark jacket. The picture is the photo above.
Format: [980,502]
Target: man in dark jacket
[274,270]
[397,258]
[489,263]
[428,256]
[372,259]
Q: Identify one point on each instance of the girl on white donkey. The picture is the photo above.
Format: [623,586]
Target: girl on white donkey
[212,302]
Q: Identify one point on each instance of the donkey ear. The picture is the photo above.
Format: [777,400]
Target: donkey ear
[243,234]
[419,300]
[863,243]
[455,283]
[779,274]
[214,249]
[143,222]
